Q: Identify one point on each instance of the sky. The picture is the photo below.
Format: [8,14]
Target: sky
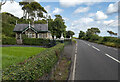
[77,15]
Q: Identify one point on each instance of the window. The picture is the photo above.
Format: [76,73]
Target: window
[29,35]
[40,35]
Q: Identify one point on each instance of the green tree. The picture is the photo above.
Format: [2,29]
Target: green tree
[69,34]
[59,26]
[111,33]
[32,8]
[81,34]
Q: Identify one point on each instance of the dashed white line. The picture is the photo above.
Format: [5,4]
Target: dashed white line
[88,44]
[115,49]
[96,48]
[112,58]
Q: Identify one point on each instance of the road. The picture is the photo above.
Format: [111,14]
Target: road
[95,62]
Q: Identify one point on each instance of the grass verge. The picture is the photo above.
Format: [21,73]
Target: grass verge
[14,55]
[62,70]
[35,67]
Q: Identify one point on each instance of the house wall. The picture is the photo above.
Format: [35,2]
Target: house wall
[44,35]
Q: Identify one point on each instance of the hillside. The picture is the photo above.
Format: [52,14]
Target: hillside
[9,22]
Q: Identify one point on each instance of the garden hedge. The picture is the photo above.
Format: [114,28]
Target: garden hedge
[9,41]
[35,67]
[39,42]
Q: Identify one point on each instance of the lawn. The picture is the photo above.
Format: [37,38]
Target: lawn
[14,55]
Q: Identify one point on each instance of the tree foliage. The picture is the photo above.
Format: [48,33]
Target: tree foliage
[111,33]
[57,26]
[81,34]
[32,8]
[69,34]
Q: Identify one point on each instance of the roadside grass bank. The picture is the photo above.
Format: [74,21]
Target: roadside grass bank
[108,41]
[15,55]
[35,67]
[62,70]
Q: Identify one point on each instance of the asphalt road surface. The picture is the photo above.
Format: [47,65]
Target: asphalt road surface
[95,62]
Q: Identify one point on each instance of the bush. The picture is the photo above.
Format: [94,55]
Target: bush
[94,38]
[39,42]
[8,41]
[110,44]
[35,67]
[110,39]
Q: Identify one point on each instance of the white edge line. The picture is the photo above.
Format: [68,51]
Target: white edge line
[73,75]
[112,58]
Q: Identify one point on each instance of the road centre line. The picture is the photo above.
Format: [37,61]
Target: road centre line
[96,48]
[88,44]
[112,58]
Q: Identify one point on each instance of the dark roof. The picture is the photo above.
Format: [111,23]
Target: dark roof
[37,27]
[20,27]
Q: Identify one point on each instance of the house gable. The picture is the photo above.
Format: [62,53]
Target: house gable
[29,28]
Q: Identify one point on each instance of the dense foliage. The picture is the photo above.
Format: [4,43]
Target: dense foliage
[91,35]
[57,26]
[38,42]
[9,41]
[34,67]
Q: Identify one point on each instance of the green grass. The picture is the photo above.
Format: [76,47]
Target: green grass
[14,55]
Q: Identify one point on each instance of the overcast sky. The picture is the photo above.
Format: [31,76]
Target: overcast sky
[78,16]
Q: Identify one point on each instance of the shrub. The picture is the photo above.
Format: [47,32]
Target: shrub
[94,38]
[110,39]
[35,67]
[112,44]
[39,42]
[8,41]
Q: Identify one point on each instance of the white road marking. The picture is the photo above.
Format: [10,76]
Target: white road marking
[115,49]
[88,44]
[112,58]
[96,48]
[74,66]
[73,75]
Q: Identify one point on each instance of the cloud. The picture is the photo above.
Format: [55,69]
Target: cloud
[91,14]
[13,8]
[81,10]
[73,3]
[112,8]
[57,11]
[108,22]
[111,23]
[82,21]
[47,8]
[100,16]
[66,19]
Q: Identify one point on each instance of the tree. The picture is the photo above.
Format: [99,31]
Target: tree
[81,34]
[59,26]
[95,30]
[32,8]
[111,33]
[69,34]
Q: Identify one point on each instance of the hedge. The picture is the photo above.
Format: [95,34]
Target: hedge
[35,67]
[39,42]
[9,41]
